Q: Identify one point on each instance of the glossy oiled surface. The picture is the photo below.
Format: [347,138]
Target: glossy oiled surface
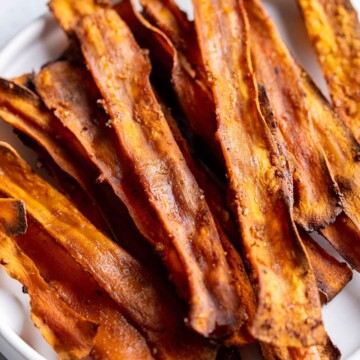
[42,42]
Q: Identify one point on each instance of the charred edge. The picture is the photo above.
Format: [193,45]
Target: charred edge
[17,90]
[266,108]
[20,225]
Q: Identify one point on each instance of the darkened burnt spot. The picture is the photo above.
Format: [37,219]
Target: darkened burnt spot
[21,224]
[99,292]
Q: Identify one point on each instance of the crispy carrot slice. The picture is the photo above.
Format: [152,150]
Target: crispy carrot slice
[227,230]
[166,194]
[313,181]
[12,216]
[258,182]
[339,146]
[331,275]
[68,333]
[344,232]
[68,13]
[128,283]
[115,337]
[25,111]
[334,31]
[343,153]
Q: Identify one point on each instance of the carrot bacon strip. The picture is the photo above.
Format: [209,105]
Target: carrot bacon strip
[342,151]
[124,279]
[165,14]
[68,13]
[227,231]
[69,334]
[313,182]
[12,216]
[334,30]
[115,337]
[166,190]
[344,232]
[255,170]
[278,70]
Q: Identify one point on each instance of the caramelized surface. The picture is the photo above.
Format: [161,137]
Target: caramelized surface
[128,283]
[316,197]
[155,182]
[334,30]
[288,315]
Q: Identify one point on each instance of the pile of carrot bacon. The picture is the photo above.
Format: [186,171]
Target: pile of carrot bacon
[192,160]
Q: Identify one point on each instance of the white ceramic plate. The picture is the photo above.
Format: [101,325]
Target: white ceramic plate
[43,41]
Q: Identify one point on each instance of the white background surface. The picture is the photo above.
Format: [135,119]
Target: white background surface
[15,14]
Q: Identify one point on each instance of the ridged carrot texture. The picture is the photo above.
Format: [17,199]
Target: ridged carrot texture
[343,153]
[334,31]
